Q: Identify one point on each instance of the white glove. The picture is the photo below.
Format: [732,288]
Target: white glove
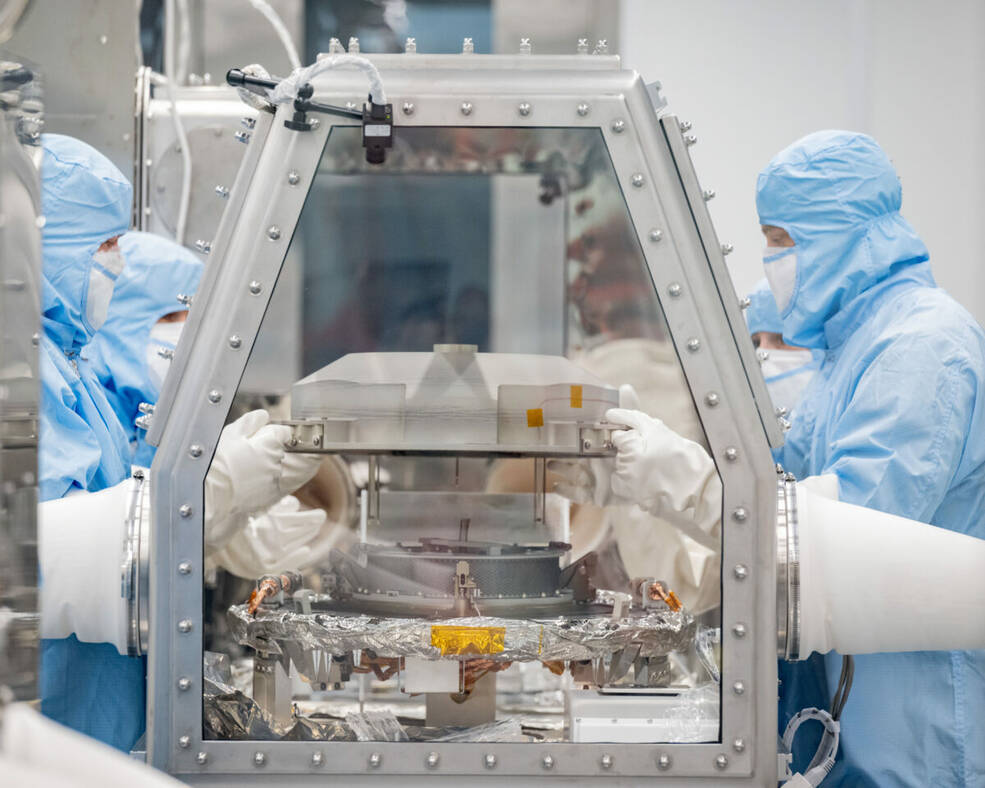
[250,472]
[284,537]
[666,475]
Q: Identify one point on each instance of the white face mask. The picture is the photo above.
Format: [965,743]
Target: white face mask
[788,373]
[780,263]
[163,336]
[107,265]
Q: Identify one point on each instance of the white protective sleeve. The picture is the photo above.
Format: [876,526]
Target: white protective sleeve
[81,544]
[873,582]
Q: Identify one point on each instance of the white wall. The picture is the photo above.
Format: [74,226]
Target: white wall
[755,75]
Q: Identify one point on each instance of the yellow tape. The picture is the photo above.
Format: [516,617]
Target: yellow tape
[576,396]
[535,417]
[458,641]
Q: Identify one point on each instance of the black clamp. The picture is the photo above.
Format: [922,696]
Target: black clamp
[302,104]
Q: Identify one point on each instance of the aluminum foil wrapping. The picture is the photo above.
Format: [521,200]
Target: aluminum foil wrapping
[277,631]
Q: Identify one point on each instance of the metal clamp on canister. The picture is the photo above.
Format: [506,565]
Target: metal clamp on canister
[135,570]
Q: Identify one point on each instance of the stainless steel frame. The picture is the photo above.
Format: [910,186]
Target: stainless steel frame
[684,258]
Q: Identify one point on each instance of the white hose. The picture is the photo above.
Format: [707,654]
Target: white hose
[873,582]
[186,158]
[287,88]
[280,29]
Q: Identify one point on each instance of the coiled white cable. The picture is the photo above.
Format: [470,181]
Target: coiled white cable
[287,88]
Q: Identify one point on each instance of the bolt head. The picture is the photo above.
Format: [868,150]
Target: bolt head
[184,742]
[432,759]
[740,514]
[235,341]
[466,108]
[547,762]
[727,249]
[185,626]
[711,399]
[685,126]
[708,194]
[739,688]
[739,745]
[618,126]
[255,287]
[690,139]
[721,761]
[583,109]
[638,180]
[185,510]
[195,450]
[273,232]
[664,762]
[489,760]
[184,568]
[202,758]
[524,108]
[606,761]
[408,108]
[731,454]
[222,191]
[675,290]
[317,759]
[655,235]
[741,571]
[739,630]
[259,759]
[184,683]
[745,302]
[294,177]
[215,396]
[694,344]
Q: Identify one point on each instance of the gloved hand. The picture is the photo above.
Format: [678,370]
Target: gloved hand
[667,475]
[283,537]
[250,472]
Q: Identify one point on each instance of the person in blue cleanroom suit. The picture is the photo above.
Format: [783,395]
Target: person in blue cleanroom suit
[788,370]
[86,203]
[144,317]
[897,412]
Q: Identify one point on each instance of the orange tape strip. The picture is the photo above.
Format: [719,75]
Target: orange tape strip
[535,417]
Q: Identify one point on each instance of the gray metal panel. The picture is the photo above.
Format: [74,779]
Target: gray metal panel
[621,108]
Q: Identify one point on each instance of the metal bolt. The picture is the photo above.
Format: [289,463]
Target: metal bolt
[781,412]
[740,514]
[185,626]
[259,759]
[248,123]
[721,761]
[582,48]
[317,759]
[410,46]
[739,630]
[694,344]
[165,353]
[711,399]
[638,179]
[184,683]
[335,46]
[184,568]
[739,687]
[242,136]
[690,139]
[195,450]
[547,762]
[602,47]
[655,235]
[618,125]
[741,571]
[255,287]
[466,108]
[185,510]
[202,758]
[731,454]
[524,108]
[606,761]
[235,341]
[408,108]
[525,47]
[353,45]
[432,760]
[490,760]
[745,302]
[184,300]
[664,762]
[675,290]
[215,396]
[273,232]
[146,408]
[184,742]
[583,109]
[222,191]
[294,178]
[467,46]
[685,126]
[314,123]
[708,194]
[739,745]
[727,249]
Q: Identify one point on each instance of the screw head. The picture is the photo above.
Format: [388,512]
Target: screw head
[638,180]
[618,125]
[547,762]
[259,759]
[711,399]
[215,396]
[432,759]
[184,568]
[655,235]
[721,761]
[185,510]
[740,514]
[466,108]
[184,683]
[583,109]
[739,687]
[731,454]
[222,191]
[317,759]
[690,139]
[408,108]
[202,758]
[685,126]
[739,745]
[694,344]
[273,232]
[739,630]
[195,450]
[235,341]
[727,249]
[741,571]
[745,302]
[708,194]
[664,761]
[294,177]
[582,47]
[675,290]
[606,761]
[489,760]
[255,287]
[184,742]
[525,47]
[185,626]
[524,108]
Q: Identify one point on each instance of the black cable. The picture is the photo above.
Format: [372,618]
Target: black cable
[844,686]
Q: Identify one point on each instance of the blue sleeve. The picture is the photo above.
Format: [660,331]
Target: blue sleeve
[900,439]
